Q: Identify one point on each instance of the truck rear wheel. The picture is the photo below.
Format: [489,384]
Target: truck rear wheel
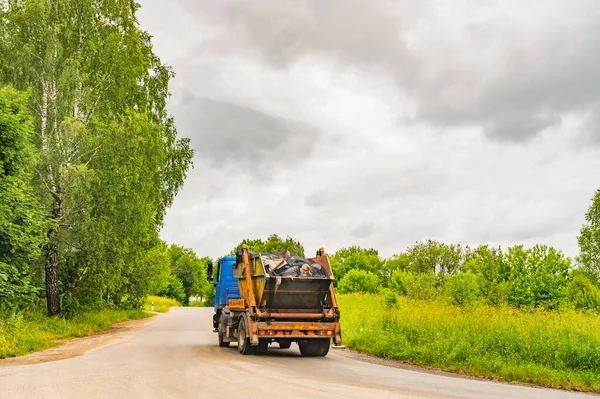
[263,345]
[244,346]
[315,347]
[221,333]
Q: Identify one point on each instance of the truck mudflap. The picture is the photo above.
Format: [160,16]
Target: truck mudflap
[299,330]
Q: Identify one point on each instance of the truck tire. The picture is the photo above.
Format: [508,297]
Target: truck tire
[244,346]
[263,345]
[317,347]
[221,334]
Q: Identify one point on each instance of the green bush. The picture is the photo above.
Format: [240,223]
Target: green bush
[390,298]
[423,286]
[538,276]
[354,257]
[22,230]
[414,285]
[174,289]
[359,281]
[582,293]
[497,293]
[401,281]
[520,277]
[462,288]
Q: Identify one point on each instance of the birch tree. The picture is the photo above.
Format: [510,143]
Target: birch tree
[589,241]
[98,93]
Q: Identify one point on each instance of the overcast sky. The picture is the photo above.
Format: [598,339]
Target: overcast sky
[381,123]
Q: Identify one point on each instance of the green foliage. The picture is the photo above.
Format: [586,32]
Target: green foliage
[173,289]
[496,293]
[273,244]
[190,269]
[359,281]
[423,286]
[589,241]
[535,277]
[538,276]
[557,349]
[357,258]
[178,273]
[110,162]
[401,281]
[156,266]
[16,131]
[21,227]
[159,304]
[201,304]
[492,273]
[462,288]
[433,256]
[390,298]
[414,285]
[16,289]
[207,294]
[582,293]
[398,262]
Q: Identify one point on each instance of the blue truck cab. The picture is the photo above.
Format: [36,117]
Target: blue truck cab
[226,286]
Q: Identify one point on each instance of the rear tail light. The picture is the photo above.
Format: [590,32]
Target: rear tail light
[266,332]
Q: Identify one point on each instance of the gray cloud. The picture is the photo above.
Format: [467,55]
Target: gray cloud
[591,131]
[512,76]
[364,229]
[382,123]
[370,182]
[225,133]
[540,79]
[282,32]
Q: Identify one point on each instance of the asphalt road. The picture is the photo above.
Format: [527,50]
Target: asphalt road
[176,356]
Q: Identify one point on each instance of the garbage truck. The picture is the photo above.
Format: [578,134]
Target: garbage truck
[265,298]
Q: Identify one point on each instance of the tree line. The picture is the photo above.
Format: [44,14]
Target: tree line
[89,157]
[539,276]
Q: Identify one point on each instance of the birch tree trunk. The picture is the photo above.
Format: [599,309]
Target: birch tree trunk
[51,266]
[51,248]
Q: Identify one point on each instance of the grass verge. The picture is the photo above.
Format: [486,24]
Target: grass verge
[160,304]
[200,304]
[28,332]
[553,349]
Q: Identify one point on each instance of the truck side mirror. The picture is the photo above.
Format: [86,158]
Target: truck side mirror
[209,271]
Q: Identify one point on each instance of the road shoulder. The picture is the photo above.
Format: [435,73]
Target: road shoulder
[78,346]
[401,364]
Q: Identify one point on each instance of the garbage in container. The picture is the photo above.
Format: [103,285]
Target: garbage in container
[286,264]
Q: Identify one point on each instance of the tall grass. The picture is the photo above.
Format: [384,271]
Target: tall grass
[22,333]
[201,304]
[160,304]
[551,348]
